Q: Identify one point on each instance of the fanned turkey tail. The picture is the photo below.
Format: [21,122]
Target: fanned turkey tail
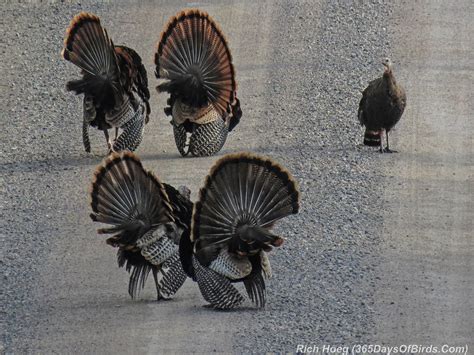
[128,197]
[136,206]
[194,58]
[88,46]
[243,196]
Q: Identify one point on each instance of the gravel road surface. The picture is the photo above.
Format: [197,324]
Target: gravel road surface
[300,67]
[426,278]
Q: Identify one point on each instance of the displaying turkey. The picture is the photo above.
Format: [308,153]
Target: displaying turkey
[381,107]
[147,219]
[194,59]
[242,198]
[114,83]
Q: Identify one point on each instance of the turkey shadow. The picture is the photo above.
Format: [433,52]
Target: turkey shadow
[206,308]
[54,164]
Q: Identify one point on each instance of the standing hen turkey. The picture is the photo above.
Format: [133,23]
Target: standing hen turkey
[147,219]
[381,107]
[194,58]
[243,196]
[114,83]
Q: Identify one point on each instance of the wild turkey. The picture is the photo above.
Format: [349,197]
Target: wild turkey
[381,107]
[194,59]
[114,83]
[147,219]
[242,198]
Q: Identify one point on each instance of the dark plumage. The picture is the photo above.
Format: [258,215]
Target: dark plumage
[224,238]
[243,197]
[148,219]
[194,59]
[114,83]
[381,107]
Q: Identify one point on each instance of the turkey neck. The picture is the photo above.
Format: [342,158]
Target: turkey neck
[392,86]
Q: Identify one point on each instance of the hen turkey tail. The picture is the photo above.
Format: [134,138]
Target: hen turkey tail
[194,58]
[243,196]
[372,138]
[129,198]
[88,46]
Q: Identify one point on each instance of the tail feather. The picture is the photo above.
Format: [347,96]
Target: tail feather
[88,46]
[372,138]
[134,261]
[255,283]
[127,197]
[193,55]
[255,287]
[244,195]
[138,279]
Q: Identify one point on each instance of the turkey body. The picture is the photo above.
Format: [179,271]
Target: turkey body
[137,89]
[381,107]
[194,59]
[243,196]
[114,83]
[147,219]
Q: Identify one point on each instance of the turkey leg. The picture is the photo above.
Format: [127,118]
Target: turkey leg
[381,150]
[387,149]
[155,277]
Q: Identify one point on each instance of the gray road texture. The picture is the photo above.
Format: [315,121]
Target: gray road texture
[373,256]
[426,288]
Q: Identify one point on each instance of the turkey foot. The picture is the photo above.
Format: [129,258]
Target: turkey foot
[161,298]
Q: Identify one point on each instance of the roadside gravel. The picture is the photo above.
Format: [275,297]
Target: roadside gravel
[36,161]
